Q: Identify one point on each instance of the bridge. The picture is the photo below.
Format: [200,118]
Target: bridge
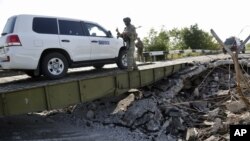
[21,94]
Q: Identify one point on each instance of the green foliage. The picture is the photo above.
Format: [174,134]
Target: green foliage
[176,39]
[196,38]
[248,46]
[186,38]
[157,41]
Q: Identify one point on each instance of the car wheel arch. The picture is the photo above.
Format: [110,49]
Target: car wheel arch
[121,49]
[63,52]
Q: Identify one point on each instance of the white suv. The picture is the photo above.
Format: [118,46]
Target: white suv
[42,45]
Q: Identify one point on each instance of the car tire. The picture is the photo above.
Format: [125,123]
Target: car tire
[243,51]
[54,65]
[122,59]
[98,66]
[224,51]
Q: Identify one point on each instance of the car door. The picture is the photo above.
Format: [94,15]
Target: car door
[102,45]
[73,39]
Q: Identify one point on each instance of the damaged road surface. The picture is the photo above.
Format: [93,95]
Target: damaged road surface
[198,103]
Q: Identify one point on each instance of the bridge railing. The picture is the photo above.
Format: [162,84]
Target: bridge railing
[152,55]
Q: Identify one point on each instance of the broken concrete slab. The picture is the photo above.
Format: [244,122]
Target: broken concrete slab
[212,138]
[212,114]
[138,109]
[124,104]
[192,134]
[217,125]
[201,106]
[235,106]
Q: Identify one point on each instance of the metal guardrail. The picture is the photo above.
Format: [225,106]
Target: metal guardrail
[60,95]
[153,54]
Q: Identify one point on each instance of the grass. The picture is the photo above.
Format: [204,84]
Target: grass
[247,47]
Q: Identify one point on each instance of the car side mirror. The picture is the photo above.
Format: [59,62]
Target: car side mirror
[109,34]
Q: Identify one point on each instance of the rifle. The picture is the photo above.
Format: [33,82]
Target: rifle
[118,33]
[125,40]
[122,35]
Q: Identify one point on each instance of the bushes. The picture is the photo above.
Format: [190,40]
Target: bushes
[186,38]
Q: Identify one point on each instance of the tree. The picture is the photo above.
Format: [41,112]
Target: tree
[248,46]
[176,39]
[185,38]
[196,38]
[157,41]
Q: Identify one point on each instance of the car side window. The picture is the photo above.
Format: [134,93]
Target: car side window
[45,25]
[70,28]
[95,30]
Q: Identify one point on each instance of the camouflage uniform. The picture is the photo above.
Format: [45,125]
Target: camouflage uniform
[140,47]
[130,32]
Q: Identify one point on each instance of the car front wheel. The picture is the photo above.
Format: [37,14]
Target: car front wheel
[224,51]
[122,59]
[244,50]
[54,65]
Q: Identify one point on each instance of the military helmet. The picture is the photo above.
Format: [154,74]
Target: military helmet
[127,19]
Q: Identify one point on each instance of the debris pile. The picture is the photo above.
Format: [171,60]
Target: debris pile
[200,107]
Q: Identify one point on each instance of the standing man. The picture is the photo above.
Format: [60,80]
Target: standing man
[129,36]
[140,47]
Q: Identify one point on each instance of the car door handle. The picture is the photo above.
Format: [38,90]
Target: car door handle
[65,41]
[94,41]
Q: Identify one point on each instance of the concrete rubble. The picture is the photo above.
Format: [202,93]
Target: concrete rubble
[198,103]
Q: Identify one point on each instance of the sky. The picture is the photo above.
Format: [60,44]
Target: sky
[226,17]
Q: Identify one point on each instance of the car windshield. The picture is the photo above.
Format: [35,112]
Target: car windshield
[230,41]
[9,27]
